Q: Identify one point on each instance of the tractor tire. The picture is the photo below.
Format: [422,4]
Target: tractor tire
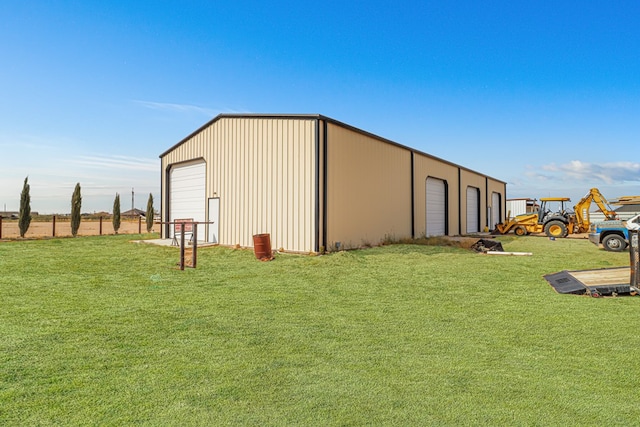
[614,243]
[556,229]
[520,231]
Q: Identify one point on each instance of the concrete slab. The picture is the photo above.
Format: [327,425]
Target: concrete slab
[169,242]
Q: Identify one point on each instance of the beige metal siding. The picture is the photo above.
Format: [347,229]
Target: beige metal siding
[368,189]
[266,175]
[263,171]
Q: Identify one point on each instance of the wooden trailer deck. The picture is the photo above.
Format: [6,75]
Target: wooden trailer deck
[600,282]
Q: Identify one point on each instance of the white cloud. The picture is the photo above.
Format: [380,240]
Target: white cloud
[117,162]
[189,109]
[35,143]
[574,179]
[607,173]
[179,108]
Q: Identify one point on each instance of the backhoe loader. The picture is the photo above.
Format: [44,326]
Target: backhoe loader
[554,223]
[558,223]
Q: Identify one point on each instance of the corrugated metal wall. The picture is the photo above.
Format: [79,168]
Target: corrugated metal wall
[368,189]
[458,179]
[517,207]
[263,171]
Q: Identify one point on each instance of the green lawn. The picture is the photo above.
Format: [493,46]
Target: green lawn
[101,331]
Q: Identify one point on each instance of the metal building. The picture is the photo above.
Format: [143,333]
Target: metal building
[314,183]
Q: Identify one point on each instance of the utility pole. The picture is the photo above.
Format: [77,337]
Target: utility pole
[132,198]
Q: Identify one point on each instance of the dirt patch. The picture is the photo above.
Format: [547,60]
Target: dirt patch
[486,245]
[462,242]
[41,229]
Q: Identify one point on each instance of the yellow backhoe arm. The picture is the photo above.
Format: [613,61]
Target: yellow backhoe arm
[582,209]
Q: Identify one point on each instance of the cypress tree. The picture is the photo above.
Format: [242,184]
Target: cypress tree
[150,213]
[116,213]
[24,218]
[76,206]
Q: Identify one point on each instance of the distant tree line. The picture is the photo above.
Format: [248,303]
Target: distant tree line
[24,217]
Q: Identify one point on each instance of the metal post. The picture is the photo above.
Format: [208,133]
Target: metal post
[1,226]
[182,246]
[101,225]
[53,233]
[139,224]
[634,258]
[194,255]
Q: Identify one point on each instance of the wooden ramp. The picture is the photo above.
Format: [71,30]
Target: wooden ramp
[605,281]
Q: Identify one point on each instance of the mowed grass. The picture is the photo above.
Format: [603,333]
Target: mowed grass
[102,331]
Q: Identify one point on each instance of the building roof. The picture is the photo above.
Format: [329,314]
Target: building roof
[628,208]
[314,117]
[133,212]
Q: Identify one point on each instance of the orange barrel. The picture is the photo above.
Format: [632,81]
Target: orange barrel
[262,246]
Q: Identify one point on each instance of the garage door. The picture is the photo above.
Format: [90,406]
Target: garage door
[496,210]
[436,207]
[187,194]
[473,210]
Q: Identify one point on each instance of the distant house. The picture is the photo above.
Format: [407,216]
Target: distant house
[13,214]
[134,213]
[9,214]
[627,211]
[624,212]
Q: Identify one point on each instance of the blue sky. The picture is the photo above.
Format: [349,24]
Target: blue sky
[544,95]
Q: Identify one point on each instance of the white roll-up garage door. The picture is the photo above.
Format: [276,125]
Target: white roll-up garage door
[496,209]
[187,194]
[473,210]
[436,207]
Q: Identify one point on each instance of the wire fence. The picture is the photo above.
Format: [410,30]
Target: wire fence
[60,226]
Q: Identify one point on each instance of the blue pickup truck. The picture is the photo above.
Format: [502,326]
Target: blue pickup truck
[612,234]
